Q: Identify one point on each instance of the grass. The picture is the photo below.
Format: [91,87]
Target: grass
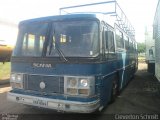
[5,70]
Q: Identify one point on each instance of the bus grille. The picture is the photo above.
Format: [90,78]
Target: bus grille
[53,84]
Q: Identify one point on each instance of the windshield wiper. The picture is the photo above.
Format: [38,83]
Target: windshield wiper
[53,41]
[60,52]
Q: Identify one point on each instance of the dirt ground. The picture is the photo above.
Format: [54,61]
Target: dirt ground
[142,95]
[142,66]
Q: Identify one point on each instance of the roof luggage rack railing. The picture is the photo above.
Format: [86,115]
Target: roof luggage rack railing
[109,7]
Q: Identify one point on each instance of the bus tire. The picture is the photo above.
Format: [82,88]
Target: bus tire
[114,91]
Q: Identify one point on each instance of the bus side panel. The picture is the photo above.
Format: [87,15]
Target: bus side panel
[109,72]
[125,68]
[124,77]
[107,89]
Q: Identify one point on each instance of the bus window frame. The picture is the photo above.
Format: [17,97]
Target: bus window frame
[131,45]
[116,27]
[126,41]
[105,29]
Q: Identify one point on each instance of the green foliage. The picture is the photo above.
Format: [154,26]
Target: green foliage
[141,47]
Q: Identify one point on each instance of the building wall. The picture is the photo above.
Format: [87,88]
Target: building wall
[150,45]
[156,36]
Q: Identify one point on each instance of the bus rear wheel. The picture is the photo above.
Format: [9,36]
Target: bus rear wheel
[114,91]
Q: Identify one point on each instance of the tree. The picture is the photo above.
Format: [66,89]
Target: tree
[141,47]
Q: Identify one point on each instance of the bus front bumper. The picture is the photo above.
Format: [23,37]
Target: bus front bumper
[56,104]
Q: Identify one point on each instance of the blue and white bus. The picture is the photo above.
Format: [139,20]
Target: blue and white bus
[73,63]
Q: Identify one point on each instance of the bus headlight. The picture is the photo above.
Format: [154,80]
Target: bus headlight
[79,85]
[19,77]
[72,82]
[16,80]
[83,82]
[13,77]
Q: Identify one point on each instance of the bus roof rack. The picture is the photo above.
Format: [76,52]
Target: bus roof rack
[109,7]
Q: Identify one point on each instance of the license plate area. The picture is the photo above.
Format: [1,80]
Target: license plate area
[40,102]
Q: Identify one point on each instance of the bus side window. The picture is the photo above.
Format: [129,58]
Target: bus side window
[119,39]
[130,45]
[109,41]
[134,46]
[126,39]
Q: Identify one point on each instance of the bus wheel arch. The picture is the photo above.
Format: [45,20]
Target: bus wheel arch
[114,88]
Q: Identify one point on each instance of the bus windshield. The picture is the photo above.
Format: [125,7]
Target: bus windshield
[63,38]
[74,39]
[31,40]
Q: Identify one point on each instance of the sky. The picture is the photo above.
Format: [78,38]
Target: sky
[139,12]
